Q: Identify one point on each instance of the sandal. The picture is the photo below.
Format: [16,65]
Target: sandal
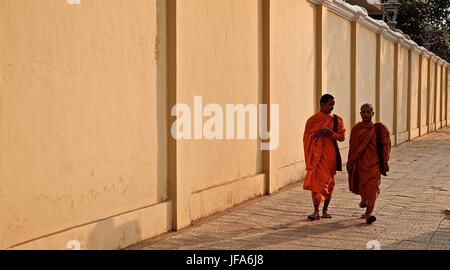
[313,217]
[371,219]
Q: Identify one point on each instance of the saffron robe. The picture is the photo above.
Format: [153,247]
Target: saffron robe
[320,155]
[363,165]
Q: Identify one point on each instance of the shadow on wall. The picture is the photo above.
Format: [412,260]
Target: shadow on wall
[106,236]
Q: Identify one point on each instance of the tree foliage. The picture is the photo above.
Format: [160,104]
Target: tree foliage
[427,23]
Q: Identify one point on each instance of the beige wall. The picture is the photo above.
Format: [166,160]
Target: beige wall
[444,96]
[424,95]
[366,53]
[78,84]
[414,95]
[336,65]
[402,95]
[437,116]
[448,93]
[220,60]
[86,91]
[432,95]
[292,83]
[387,84]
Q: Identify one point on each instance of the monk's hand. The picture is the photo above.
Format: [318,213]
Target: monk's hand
[317,133]
[326,132]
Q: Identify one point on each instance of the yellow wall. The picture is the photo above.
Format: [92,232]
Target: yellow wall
[432,95]
[78,84]
[438,96]
[414,106]
[444,96]
[424,95]
[220,60]
[402,95]
[447,88]
[292,82]
[366,54]
[387,84]
[336,65]
[86,91]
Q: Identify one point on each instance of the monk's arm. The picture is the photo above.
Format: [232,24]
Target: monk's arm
[340,134]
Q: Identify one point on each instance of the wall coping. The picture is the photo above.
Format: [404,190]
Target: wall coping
[343,9]
[371,24]
[416,48]
[317,2]
[424,52]
[404,43]
[357,14]
[393,36]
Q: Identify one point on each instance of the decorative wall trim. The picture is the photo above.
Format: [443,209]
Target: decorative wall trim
[424,52]
[417,49]
[409,44]
[317,2]
[370,24]
[343,10]
[393,36]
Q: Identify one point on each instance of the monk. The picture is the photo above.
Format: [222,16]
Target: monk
[368,157]
[322,157]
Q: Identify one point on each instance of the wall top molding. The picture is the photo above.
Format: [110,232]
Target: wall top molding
[408,44]
[416,49]
[404,43]
[393,36]
[424,52]
[357,14]
[317,2]
[344,10]
[371,24]
[433,57]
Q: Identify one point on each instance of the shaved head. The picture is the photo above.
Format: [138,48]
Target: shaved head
[366,105]
[367,112]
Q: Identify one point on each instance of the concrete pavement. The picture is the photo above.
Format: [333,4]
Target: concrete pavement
[409,212]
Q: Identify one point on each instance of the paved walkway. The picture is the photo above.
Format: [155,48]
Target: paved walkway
[409,211]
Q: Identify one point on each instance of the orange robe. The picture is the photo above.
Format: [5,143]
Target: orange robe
[320,155]
[363,165]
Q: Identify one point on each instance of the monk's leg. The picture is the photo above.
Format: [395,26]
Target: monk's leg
[371,193]
[325,208]
[363,203]
[370,206]
[316,202]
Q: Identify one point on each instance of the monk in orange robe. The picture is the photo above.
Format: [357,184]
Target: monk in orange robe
[368,158]
[322,157]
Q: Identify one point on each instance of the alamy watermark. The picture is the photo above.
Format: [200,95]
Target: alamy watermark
[74,2]
[373,245]
[229,125]
[73,245]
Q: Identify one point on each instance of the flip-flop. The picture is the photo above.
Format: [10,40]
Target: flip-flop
[371,219]
[313,217]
